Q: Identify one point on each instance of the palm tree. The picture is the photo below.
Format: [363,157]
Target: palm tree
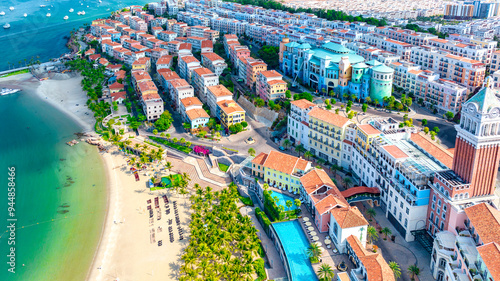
[299,149]
[287,143]
[168,166]
[386,231]
[346,182]
[297,203]
[372,234]
[265,186]
[308,155]
[186,177]
[289,204]
[314,251]
[251,151]
[414,271]
[325,272]
[395,269]
[371,213]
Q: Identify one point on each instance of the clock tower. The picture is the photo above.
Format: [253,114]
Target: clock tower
[477,146]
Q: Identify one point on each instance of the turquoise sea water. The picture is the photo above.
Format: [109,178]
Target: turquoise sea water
[60,192]
[295,244]
[282,198]
[39,35]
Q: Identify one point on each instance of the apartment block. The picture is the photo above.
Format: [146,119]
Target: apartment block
[270,85]
[213,62]
[216,94]
[202,79]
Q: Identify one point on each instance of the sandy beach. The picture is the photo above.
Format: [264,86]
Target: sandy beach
[126,250]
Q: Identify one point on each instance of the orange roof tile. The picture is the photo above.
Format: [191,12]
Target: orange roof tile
[189,59]
[395,151]
[270,73]
[273,82]
[490,254]
[219,90]
[303,103]
[280,162]
[329,117]
[190,101]
[116,85]
[196,113]
[260,159]
[212,56]
[348,217]
[315,179]
[230,106]
[357,247]
[326,204]
[377,268]
[165,59]
[486,221]
[369,129]
[203,71]
[433,149]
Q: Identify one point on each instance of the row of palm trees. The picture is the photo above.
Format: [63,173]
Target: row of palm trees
[224,243]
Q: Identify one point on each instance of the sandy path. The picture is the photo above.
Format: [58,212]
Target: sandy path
[125,250]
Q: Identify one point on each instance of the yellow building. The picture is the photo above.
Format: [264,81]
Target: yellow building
[280,170]
[230,113]
[365,134]
[326,133]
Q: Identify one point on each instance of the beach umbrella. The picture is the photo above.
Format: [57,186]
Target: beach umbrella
[308,223]
[313,233]
[322,249]
[318,243]
[315,238]
[306,219]
[327,241]
[310,228]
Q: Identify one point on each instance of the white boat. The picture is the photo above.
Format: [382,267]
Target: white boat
[71,10]
[100,1]
[2,13]
[6,26]
[25,15]
[48,15]
[42,6]
[66,17]
[6,91]
[83,13]
[79,13]
[11,8]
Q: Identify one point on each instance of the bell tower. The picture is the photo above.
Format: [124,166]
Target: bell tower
[477,146]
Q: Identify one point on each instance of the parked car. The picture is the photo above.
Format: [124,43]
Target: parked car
[282,148]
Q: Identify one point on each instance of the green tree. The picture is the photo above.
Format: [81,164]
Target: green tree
[371,213]
[424,122]
[155,132]
[251,151]
[259,102]
[300,149]
[364,107]
[449,115]
[164,122]
[288,94]
[289,204]
[395,269]
[244,124]
[308,155]
[436,129]
[372,234]
[414,271]
[325,272]
[270,55]
[346,182]
[287,143]
[297,203]
[314,251]
[386,231]
[426,130]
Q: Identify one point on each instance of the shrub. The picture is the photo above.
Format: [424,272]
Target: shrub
[263,219]
[258,265]
[172,145]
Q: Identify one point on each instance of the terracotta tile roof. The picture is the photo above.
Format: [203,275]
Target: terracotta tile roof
[168,74]
[281,162]
[118,95]
[191,101]
[185,46]
[141,75]
[196,113]
[377,268]
[327,203]
[273,82]
[357,247]
[303,103]
[189,59]
[116,85]
[203,71]
[369,129]
[348,217]
[219,90]
[301,164]
[260,159]
[230,106]
[329,117]
[176,83]
[486,221]
[490,254]
[147,86]
[270,73]
[152,96]
[314,179]
[207,44]
[359,190]
[433,149]
[395,151]
[164,59]
[212,56]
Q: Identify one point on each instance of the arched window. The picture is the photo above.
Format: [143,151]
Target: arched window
[467,195]
[439,202]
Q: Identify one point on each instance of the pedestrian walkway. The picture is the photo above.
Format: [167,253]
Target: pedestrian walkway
[180,166]
[273,258]
[400,251]
[209,175]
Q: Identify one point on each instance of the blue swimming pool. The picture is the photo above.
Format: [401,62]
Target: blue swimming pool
[294,243]
[282,198]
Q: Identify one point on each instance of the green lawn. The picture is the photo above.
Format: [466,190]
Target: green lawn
[15,73]
[176,179]
[184,149]
[223,167]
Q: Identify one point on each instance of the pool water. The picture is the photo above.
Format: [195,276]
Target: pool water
[166,180]
[282,198]
[295,245]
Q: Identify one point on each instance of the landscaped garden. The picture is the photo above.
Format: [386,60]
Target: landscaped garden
[168,182]
[224,243]
[277,210]
[223,167]
[181,146]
